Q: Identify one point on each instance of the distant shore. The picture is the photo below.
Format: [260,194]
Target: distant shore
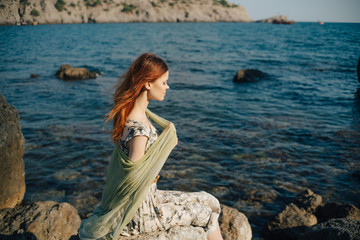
[89,11]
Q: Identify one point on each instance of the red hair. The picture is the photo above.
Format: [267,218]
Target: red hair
[146,68]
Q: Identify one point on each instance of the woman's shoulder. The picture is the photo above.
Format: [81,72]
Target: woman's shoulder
[135,127]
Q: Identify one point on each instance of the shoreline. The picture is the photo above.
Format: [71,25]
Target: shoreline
[171,22]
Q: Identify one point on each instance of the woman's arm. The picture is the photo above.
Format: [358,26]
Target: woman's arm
[137,147]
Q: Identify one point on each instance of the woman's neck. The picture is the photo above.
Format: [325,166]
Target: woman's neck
[141,104]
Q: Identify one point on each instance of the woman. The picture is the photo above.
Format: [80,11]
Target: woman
[131,203]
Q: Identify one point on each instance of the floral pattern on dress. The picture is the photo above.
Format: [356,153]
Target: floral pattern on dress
[136,128]
[162,209]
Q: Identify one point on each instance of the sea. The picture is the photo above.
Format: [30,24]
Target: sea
[255,146]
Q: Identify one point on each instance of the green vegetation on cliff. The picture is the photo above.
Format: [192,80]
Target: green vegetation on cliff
[128,8]
[59,5]
[35,13]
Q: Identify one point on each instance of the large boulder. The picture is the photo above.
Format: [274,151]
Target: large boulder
[334,229]
[40,220]
[12,171]
[67,72]
[248,75]
[234,224]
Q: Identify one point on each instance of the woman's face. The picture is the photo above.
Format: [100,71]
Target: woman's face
[157,89]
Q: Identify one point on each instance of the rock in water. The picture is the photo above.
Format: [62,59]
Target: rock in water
[234,224]
[67,72]
[279,19]
[40,220]
[334,229]
[34,76]
[291,217]
[249,75]
[295,218]
[12,171]
[337,210]
[308,200]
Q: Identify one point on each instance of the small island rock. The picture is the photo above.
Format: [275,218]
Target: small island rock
[12,146]
[67,72]
[248,75]
[280,19]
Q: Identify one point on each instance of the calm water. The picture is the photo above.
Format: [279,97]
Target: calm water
[254,146]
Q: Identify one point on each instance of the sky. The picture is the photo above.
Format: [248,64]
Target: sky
[304,10]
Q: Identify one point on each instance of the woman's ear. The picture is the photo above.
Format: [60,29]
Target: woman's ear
[147,85]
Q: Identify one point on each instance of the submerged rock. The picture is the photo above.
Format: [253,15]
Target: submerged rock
[249,75]
[67,72]
[34,75]
[39,220]
[12,170]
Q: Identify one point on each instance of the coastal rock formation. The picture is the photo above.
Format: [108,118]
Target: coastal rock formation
[234,224]
[248,75]
[308,218]
[334,229]
[337,210]
[105,11]
[67,72]
[280,19]
[39,220]
[284,225]
[12,172]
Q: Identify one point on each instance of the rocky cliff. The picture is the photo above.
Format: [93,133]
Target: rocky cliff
[108,11]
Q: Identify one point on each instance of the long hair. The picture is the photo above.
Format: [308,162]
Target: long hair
[146,68]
